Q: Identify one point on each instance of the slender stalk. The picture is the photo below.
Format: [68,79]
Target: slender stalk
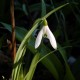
[13,31]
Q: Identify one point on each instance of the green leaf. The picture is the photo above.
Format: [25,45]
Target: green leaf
[43,11]
[24,9]
[32,68]
[63,53]
[18,65]
[54,10]
[20,32]
[68,75]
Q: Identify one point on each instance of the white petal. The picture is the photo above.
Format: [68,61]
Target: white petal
[44,29]
[39,38]
[51,38]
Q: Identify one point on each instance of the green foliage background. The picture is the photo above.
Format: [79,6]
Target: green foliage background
[64,23]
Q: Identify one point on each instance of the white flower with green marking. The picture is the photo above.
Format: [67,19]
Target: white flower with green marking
[45,31]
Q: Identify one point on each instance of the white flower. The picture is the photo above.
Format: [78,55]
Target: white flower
[46,31]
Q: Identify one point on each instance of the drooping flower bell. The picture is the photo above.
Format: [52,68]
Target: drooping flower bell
[45,31]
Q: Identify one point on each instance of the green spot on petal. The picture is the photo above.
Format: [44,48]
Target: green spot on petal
[45,22]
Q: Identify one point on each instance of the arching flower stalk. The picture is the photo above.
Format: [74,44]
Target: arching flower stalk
[46,31]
